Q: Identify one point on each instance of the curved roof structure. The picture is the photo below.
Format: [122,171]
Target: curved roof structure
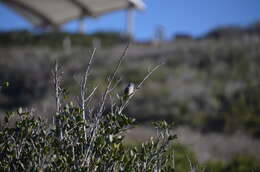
[57,12]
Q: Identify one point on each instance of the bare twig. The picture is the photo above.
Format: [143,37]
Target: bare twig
[104,97]
[111,79]
[190,163]
[83,89]
[57,80]
[84,82]
[148,75]
[91,94]
[57,88]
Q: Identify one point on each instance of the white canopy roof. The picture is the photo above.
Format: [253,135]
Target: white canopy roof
[57,12]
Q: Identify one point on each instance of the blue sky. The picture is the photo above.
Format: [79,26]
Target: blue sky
[195,17]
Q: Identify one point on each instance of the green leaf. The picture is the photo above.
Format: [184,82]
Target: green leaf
[111,138]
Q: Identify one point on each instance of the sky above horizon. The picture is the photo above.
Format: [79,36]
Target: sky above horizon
[175,16]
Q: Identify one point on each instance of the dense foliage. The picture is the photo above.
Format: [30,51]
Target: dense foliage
[78,141]
[32,144]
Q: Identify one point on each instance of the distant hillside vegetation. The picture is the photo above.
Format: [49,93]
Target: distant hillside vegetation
[55,39]
[234,31]
[208,84]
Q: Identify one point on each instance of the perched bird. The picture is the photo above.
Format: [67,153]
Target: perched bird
[129,90]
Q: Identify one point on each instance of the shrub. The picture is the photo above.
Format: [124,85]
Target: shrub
[32,144]
[82,138]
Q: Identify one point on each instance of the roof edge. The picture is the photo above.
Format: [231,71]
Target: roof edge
[139,4]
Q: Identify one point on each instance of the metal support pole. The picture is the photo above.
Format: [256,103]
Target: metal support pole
[82,25]
[130,22]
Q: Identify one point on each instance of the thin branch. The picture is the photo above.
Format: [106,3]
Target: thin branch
[110,80]
[57,80]
[96,124]
[84,80]
[83,88]
[190,163]
[91,94]
[148,75]
[57,88]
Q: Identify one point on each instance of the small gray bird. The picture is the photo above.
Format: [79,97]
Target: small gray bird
[129,90]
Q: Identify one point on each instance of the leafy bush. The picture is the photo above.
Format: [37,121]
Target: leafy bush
[82,138]
[32,144]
